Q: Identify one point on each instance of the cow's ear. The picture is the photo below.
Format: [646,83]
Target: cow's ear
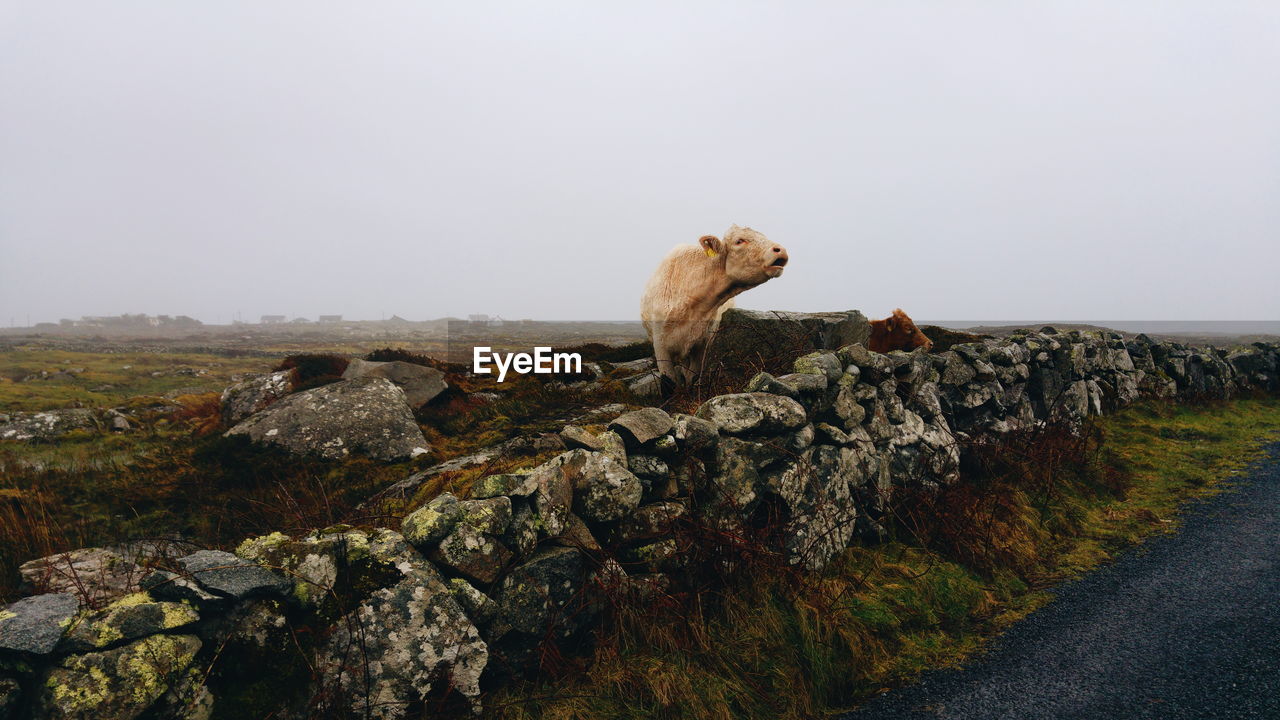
[711,244]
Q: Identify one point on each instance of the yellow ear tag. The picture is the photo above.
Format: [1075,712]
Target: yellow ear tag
[711,253]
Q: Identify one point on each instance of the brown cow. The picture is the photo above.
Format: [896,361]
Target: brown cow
[896,332]
[691,289]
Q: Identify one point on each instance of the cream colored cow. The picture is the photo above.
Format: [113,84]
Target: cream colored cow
[691,289]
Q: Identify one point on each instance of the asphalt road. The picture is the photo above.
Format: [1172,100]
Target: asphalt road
[1186,626]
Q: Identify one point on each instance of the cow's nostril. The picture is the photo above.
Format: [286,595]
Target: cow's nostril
[777,250]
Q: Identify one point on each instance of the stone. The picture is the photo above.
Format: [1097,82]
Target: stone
[603,489]
[366,416]
[328,566]
[225,574]
[614,446]
[848,406]
[403,643]
[764,382]
[647,466]
[826,364]
[772,338]
[537,600]
[491,515]
[47,425]
[805,383]
[35,624]
[518,484]
[665,446]
[472,553]
[421,384]
[430,523]
[129,618]
[645,385]
[753,413]
[642,426]
[254,395]
[478,606]
[172,586]
[121,683]
[577,534]
[737,473]
[97,574]
[521,536]
[695,434]
[873,367]
[575,437]
[650,521]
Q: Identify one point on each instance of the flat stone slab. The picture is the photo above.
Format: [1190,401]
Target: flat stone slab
[35,625]
[640,426]
[231,576]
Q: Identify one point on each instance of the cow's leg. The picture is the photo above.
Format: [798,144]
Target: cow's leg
[667,370]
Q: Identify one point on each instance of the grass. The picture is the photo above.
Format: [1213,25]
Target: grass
[772,643]
[173,475]
[110,379]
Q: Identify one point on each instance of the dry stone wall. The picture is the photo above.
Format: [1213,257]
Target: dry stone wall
[468,589]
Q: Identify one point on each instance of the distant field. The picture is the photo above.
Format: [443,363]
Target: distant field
[39,379]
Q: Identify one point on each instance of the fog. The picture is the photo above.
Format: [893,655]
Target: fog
[1051,160]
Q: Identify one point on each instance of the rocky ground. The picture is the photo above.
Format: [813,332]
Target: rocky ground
[472,585]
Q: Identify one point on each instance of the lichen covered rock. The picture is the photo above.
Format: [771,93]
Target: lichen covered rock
[753,413]
[129,618]
[120,684]
[402,644]
[253,395]
[366,416]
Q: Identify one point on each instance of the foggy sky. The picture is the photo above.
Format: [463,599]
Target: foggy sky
[1065,160]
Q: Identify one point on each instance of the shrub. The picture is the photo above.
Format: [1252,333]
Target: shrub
[311,370]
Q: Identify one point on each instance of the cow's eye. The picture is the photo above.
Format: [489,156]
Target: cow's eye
[740,241]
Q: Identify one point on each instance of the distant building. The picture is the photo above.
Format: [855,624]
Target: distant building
[478,319]
[272,319]
[300,321]
[330,318]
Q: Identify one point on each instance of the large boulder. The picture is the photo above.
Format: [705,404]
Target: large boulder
[420,384]
[365,415]
[774,338]
[254,395]
[47,425]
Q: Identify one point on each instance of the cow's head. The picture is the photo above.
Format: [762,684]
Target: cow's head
[897,332]
[750,258]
